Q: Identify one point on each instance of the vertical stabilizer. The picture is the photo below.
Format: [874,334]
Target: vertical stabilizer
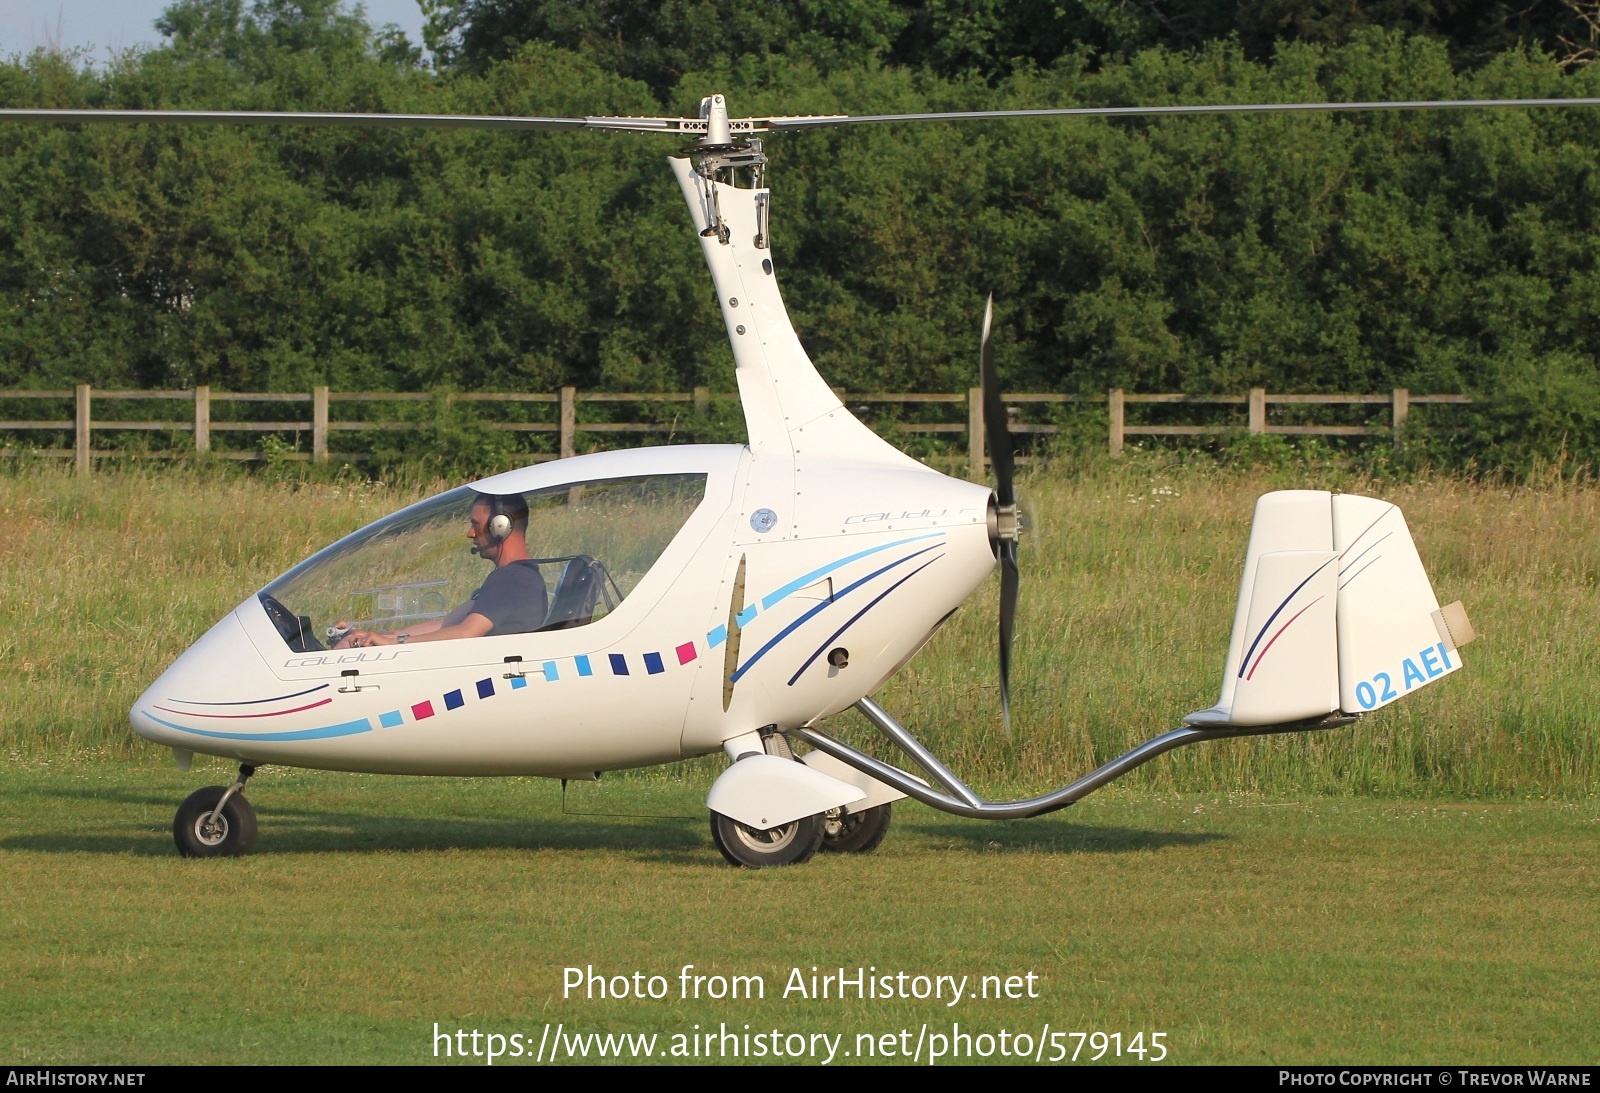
[1335,613]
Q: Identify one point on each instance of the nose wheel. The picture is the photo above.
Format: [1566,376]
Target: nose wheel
[216,822]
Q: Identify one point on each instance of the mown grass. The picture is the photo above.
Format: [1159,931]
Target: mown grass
[1249,930]
[1129,579]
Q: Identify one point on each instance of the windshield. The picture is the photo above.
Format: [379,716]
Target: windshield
[578,550]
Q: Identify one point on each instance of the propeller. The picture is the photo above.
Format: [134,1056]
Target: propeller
[1008,527]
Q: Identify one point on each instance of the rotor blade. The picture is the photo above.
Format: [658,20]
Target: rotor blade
[776,124]
[996,425]
[1009,580]
[267,117]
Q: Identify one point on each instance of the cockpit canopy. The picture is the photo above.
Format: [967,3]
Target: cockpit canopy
[593,541]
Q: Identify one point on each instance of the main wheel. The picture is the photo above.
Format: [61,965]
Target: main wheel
[202,832]
[855,832]
[786,844]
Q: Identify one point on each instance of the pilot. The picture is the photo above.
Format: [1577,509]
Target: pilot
[510,601]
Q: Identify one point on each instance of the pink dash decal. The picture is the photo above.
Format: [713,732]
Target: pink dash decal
[274,713]
[1279,634]
[686,652]
[422,710]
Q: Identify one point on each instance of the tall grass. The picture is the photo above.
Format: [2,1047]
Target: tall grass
[1130,571]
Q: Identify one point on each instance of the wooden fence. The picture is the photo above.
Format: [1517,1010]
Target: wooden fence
[566,426]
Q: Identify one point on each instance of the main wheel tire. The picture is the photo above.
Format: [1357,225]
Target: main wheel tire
[201,834]
[786,844]
[855,832]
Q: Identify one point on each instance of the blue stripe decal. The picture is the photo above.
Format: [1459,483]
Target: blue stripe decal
[856,617]
[837,596]
[1245,661]
[800,582]
[349,728]
[253,701]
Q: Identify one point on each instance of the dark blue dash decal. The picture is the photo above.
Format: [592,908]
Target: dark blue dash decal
[856,617]
[824,605]
[349,728]
[454,701]
[652,664]
[486,688]
[798,583]
[1364,553]
[253,701]
[619,664]
[1245,660]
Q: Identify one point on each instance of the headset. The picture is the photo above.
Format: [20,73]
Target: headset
[504,512]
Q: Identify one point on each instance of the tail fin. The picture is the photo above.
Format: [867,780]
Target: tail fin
[1335,613]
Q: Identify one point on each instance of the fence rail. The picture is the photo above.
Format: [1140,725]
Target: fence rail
[566,426]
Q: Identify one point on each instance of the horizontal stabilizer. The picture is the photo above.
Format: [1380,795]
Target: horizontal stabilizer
[1335,613]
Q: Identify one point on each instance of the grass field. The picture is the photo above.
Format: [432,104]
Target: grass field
[1249,930]
[1419,887]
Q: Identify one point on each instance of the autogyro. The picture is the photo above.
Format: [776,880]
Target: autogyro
[678,601]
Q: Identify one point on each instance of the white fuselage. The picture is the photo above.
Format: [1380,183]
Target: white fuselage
[845,543]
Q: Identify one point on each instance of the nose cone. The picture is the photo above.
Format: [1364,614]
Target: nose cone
[207,692]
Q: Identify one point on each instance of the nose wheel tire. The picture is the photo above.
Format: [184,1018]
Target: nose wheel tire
[786,844]
[855,832]
[202,832]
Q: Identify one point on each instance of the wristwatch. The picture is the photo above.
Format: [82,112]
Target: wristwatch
[400,639]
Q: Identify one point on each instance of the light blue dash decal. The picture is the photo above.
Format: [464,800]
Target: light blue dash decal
[717,636]
[485,688]
[652,663]
[837,596]
[619,664]
[454,701]
[583,665]
[391,720]
[816,574]
[349,728]
[550,671]
[745,617]
[517,683]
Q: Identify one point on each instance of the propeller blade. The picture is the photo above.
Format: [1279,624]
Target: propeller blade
[1009,579]
[996,426]
[997,433]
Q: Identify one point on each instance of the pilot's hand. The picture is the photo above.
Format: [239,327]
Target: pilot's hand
[363,639]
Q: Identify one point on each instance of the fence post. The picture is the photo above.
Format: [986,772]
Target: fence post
[80,423]
[1258,410]
[319,424]
[1114,405]
[1402,407]
[569,421]
[202,419]
[975,438]
[702,401]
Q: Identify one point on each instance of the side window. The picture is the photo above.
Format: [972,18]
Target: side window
[418,571]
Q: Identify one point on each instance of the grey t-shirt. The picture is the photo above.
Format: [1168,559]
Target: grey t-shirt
[512,598]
